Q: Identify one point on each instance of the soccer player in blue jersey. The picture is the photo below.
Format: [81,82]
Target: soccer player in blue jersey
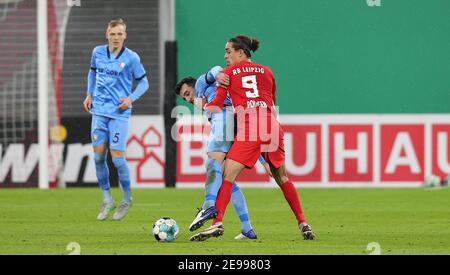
[198,92]
[109,99]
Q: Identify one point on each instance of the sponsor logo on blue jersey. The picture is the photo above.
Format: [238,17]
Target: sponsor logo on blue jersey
[109,72]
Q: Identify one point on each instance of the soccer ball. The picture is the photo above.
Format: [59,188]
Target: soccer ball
[165,230]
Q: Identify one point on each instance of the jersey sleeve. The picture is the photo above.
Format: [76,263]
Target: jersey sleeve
[216,104]
[91,82]
[137,68]
[210,76]
[92,74]
[139,75]
[200,86]
[93,63]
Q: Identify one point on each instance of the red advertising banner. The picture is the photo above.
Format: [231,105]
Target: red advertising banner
[321,151]
[351,147]
[441,149]
[402,152]
[344,150]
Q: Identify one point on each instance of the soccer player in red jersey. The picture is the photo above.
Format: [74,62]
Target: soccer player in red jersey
[252,90]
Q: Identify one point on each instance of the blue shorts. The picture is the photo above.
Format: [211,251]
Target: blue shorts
[109,131]
[221,136]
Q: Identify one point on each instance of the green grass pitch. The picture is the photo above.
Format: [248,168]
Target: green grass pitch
[402,221]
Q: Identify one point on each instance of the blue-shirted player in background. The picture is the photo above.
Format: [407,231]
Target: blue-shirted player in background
[198,92]
[109,98]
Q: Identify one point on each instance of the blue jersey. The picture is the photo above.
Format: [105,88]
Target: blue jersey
[206,87]
[114,75]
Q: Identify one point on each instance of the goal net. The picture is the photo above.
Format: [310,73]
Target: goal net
[19,120]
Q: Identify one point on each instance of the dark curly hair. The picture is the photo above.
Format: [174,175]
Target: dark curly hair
[190,81]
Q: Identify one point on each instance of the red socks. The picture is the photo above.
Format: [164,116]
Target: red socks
[223,198]
[289,191]
[291,195]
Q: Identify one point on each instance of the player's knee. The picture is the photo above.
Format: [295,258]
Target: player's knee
[284,179]
[117,154]
[229,177]
[280,180]
[119,162]
[209,164]
[212,165]
[213,170]
[99,158]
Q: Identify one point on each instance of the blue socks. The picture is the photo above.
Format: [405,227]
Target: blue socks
[240,206]
[213,182]
[212,186]
[124,177]
[101,168]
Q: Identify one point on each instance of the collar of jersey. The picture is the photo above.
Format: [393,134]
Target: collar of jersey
[109,54]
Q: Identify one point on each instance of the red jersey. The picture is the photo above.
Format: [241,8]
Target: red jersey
[252,90]
[251,86]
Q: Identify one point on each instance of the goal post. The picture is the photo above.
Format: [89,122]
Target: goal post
[43,75]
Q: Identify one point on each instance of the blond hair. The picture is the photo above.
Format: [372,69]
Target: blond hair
[115,22]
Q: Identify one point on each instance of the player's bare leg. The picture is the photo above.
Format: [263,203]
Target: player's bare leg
[291,196]
[232,169]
